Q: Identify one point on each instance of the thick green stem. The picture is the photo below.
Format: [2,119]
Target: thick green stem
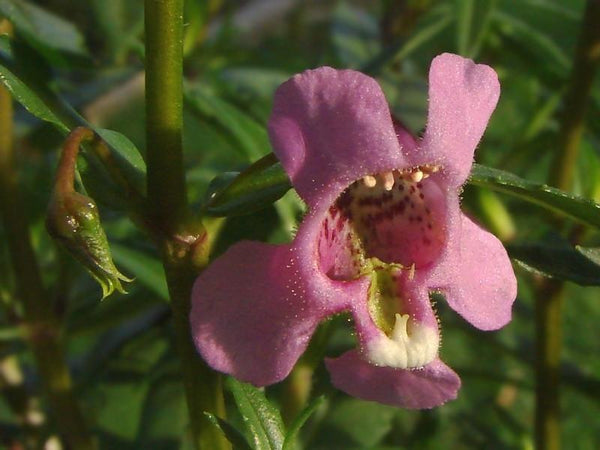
[203,387]
[164,111]
[40,321]
[550,296]
[183,242]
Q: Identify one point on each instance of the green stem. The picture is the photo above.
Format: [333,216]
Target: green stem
[203,387]
[164,111]
[65,173]
[183,243]
[550,296]
[298,385]
[585,65]
[39,318]
[548,307]
[297,389]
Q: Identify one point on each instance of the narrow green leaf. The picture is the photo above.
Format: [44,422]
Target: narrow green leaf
[482,26]
[464,20]
[290,439]
[232,434]
[442,19]
[250,136]
[127,157]
[18,73]
[530,36]
[263,420]
[265,181]
[354,35]
[556,259]
[578,208]
[20,80]
[11,333]
[261,184]
[56,39]
[591,253]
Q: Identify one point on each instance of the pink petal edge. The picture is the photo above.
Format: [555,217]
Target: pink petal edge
[249,316]
[462,96]
[477,278]
[425,388]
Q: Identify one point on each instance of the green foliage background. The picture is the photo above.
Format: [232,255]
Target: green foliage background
[121,350]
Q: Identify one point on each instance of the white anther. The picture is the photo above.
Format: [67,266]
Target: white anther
[388,180]
[416,176]
[370,181]
[411,272]
[425,175]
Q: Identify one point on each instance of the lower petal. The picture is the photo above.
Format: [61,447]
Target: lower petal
[411,338]
[252,315]
[425,388]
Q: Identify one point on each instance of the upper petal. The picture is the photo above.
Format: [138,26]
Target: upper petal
[330,127]
[477,277]
[431,386]
[462,96]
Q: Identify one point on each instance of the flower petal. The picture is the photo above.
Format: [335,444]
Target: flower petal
[414,340]
[477,278]
[431,386]
[331,127]
[462,96]
[252,316]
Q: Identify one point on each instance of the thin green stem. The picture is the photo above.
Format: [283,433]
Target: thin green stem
[164,111]
[183,242]
[550,296]
[39,318]
[548,307]
[65,173]
[576,99]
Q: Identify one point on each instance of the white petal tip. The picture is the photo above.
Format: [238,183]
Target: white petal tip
[410,346]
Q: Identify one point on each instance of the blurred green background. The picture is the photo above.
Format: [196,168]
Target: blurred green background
[121,350]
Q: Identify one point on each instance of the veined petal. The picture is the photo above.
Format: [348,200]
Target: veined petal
[431,386]
[330,128]
[477,278]
[252,315]
[462,96]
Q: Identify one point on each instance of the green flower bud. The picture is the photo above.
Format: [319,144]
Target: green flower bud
[73,220]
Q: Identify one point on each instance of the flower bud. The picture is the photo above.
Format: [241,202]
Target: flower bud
[73,220]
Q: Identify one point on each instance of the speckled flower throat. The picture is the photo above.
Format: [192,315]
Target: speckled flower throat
[396,217]
[388,226]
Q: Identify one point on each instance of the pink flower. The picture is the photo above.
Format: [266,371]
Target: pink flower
[384,229]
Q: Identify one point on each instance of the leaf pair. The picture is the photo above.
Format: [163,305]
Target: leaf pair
[264,426]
